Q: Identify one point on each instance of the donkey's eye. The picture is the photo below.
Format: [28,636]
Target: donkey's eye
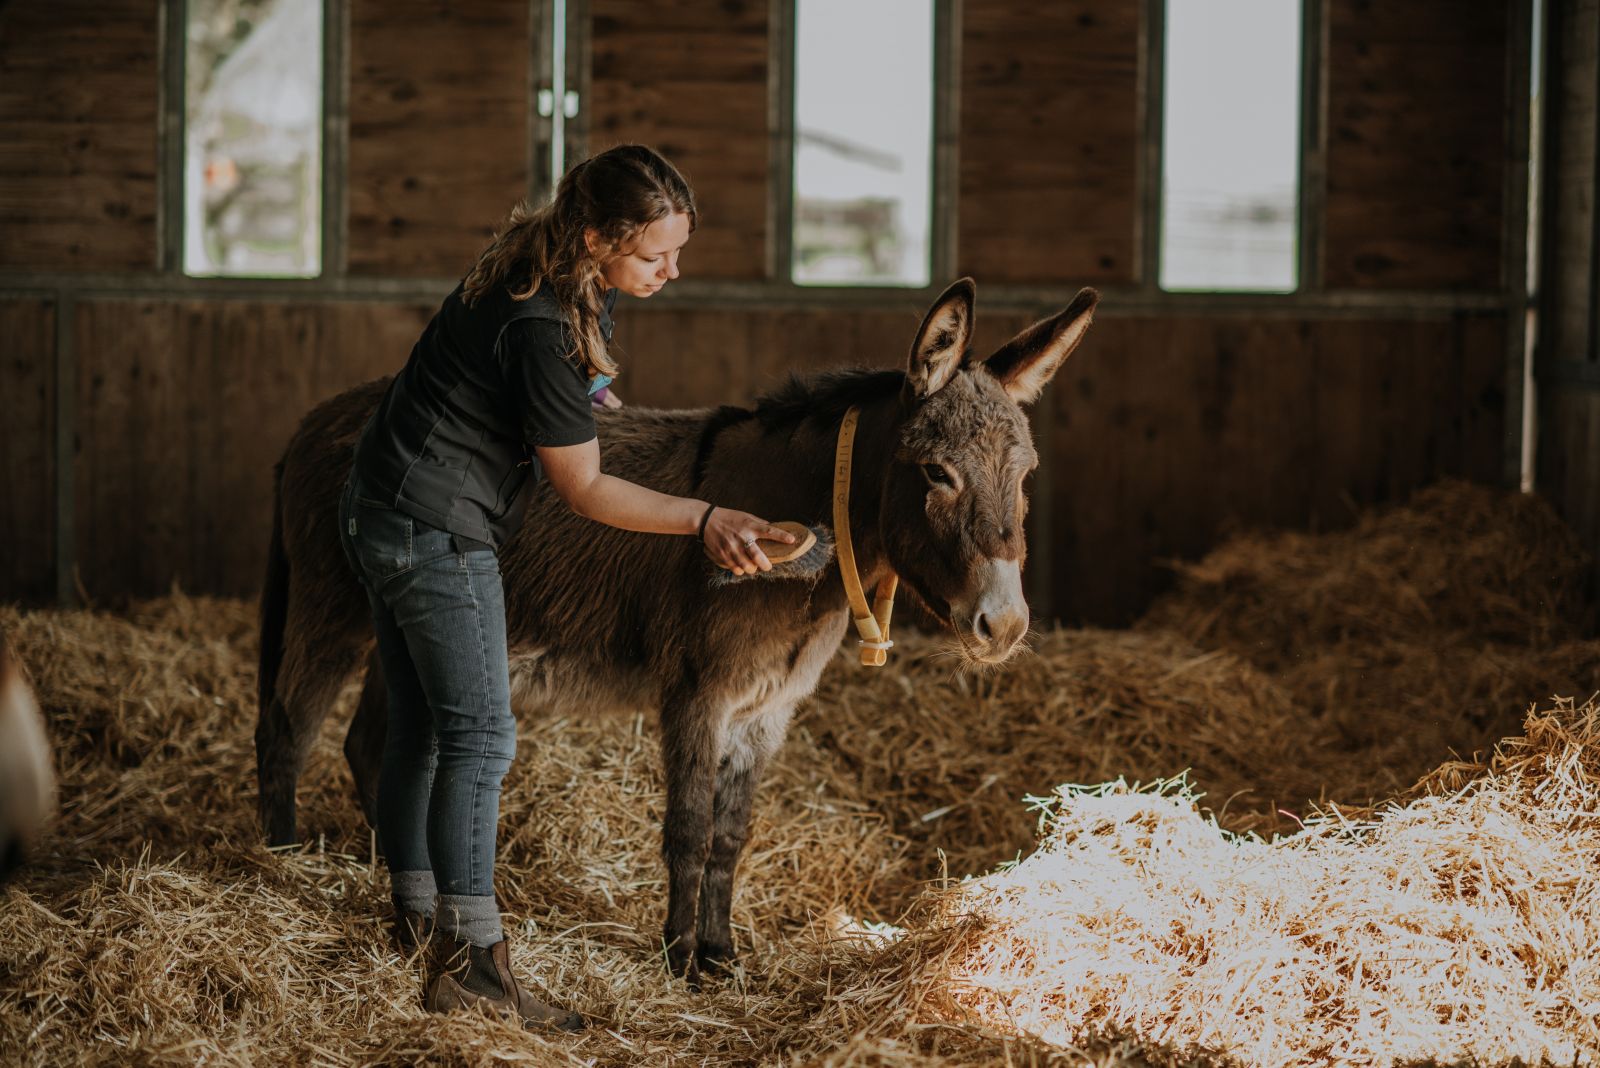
[937,474]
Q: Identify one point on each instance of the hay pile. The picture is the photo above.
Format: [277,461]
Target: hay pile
[156,929]
[1467,603]
[1460,927]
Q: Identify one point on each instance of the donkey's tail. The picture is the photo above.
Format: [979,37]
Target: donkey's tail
[274,602]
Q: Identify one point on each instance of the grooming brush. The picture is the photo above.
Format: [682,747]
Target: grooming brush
[805,559]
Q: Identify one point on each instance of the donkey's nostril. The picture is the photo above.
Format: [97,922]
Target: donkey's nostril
[980,627]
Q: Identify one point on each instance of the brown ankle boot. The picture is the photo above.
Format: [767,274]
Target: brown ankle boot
[411,931]
[472,975]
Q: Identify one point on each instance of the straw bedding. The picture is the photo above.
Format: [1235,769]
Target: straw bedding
[1186,921]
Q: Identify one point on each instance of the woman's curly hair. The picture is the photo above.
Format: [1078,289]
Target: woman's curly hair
[616,194]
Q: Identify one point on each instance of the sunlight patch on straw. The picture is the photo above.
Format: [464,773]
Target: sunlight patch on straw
[1458,926]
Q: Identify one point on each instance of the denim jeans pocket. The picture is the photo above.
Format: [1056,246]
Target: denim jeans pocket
[382,538]
[347,528]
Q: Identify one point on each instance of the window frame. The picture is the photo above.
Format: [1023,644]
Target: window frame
[943,162]
[1308,144]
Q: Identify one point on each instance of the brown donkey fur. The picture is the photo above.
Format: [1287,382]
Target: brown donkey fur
[598,616]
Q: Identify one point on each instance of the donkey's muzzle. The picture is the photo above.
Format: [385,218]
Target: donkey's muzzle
[995,621]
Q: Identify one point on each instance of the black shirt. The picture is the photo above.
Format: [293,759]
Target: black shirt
[452,440]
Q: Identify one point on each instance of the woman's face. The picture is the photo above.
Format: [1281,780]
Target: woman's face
[652,261]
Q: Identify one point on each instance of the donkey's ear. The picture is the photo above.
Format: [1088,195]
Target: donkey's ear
[942,340]
[1025,364]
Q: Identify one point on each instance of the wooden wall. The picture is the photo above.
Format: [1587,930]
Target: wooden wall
[183,409]
[1049,142]
[438,131]
[1569,457]
[27,448]
[1568,321]
[1567,360]
[1173,421]
[1417,143]
[78,134]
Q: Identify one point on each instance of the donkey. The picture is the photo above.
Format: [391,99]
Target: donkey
[27,773]
[599,616]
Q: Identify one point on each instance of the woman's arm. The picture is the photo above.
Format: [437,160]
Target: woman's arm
[574,473]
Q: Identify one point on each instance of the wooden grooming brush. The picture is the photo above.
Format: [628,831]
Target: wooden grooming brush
[811,553]
[780,553]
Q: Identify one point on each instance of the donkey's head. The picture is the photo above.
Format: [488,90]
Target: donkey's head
[953,504]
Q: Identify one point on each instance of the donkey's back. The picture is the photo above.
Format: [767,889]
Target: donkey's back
[596,617]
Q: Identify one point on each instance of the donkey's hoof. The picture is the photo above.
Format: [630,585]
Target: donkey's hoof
[681,959]
[716,960]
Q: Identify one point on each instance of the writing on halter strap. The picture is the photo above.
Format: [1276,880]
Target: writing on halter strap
[872,624]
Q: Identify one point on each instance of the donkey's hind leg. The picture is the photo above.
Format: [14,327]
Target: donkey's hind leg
[751,742]
[363,745]
[309,681]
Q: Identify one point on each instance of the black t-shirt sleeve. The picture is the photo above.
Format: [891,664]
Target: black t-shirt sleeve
[550,393]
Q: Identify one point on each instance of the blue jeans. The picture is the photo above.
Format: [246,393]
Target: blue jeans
[441,626]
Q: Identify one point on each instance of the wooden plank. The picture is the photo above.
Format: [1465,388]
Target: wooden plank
[27,450]
[1480,371]
[1416,143]
[681,358]
[184,408]
[438,131]
[1569,457]
[357,343]
[136,420]
[78,99]
[1569,226]
[1049,141]
[677,357]
[690,79]
[246,362]
[1110,466]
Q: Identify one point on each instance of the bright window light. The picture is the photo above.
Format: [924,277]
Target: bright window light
[1231,146]
[253,149]
[863,155]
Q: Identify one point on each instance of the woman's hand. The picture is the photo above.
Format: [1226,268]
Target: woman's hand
[730,540]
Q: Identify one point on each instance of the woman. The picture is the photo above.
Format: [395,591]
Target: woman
[496,393]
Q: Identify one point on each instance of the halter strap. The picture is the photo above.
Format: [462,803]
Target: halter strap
[872,624]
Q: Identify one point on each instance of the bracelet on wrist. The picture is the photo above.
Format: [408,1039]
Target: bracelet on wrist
[701,533]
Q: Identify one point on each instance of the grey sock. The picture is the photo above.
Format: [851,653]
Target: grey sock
[469,918]
[412,891]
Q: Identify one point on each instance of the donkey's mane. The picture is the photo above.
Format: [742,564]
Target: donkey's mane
[824,395]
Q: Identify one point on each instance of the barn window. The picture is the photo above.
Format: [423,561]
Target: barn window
[1231,146]
[253,138]
[863,143]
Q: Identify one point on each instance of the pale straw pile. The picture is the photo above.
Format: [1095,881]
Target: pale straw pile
[1460,926]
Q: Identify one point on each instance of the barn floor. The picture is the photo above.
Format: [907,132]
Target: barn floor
[1284,672]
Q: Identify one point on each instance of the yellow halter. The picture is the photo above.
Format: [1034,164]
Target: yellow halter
[872,624]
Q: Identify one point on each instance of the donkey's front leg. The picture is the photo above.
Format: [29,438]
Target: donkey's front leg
[691,742]
[744,759]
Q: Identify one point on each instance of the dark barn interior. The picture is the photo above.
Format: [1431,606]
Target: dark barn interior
[1414,416]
